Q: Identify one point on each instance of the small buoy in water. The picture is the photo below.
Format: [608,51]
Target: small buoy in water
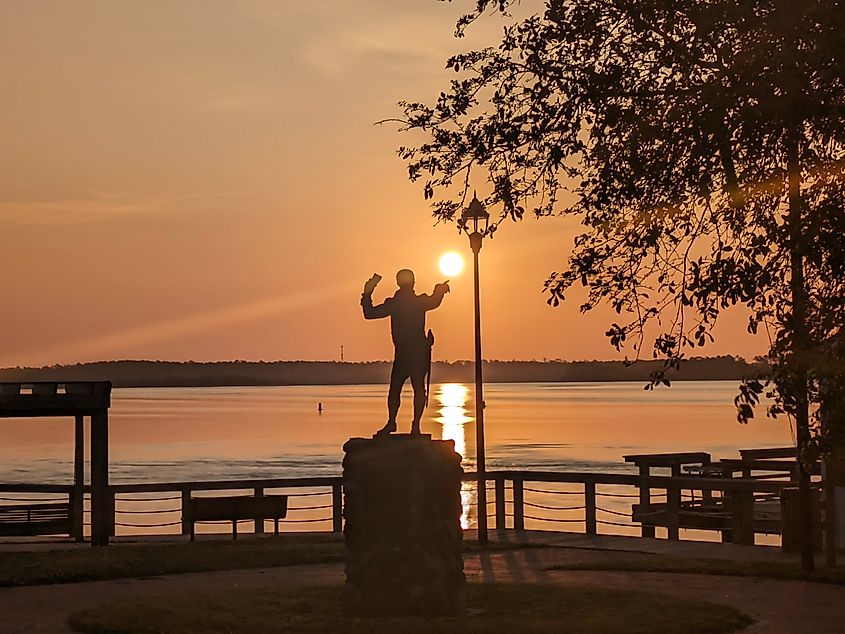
[319,408]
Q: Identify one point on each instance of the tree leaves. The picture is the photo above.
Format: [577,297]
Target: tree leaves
[665,121]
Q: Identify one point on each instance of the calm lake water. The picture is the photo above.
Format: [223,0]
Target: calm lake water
[268,432]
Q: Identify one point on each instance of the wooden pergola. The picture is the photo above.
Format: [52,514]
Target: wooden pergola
[75,400]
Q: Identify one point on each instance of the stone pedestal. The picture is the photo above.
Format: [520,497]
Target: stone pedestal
[403,534]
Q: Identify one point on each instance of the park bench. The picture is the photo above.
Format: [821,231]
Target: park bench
[26,520]
[235,508]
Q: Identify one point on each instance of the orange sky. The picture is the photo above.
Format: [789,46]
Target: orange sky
[203,180]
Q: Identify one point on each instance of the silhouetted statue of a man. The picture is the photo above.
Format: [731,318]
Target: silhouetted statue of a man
[412,356]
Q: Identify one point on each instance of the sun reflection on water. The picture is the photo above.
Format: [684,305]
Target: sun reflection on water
[453,417]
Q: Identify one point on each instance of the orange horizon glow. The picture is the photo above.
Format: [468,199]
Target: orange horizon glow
[205,182]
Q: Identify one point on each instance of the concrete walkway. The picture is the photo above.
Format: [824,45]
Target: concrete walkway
[779,607]
[627,544]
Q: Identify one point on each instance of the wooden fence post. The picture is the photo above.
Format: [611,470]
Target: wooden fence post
[258,525]
[112,498]
[186,521]
[102,507]
[337,508]
[742,506]
[645,499]
[590,507]
[673,505]
[518,505]
[77,497]
[500,503]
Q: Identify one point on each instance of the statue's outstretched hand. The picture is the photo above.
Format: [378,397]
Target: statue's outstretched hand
[443,287]
[370,284]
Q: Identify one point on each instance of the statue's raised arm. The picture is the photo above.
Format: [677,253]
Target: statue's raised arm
[370,311]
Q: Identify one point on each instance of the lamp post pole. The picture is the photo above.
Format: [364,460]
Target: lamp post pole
[474,215]
[475,243]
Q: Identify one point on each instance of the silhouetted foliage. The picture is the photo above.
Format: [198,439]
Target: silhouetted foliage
[700,144]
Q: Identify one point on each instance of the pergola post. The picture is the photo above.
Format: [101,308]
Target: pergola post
[78,477]
[102,514]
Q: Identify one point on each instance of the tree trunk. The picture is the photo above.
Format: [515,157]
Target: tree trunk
[800,346]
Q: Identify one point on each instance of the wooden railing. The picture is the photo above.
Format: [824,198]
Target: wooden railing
[329,488]
[67,492]
[590,491]
[740,493]
[258,487]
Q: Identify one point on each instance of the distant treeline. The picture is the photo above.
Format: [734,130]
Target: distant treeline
[220,373]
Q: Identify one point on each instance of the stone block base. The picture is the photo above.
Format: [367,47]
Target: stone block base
[403,535]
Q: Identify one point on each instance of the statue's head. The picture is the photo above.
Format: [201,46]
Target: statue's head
[405,278]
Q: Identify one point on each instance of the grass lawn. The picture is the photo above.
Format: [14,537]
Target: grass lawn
[500,608]
[148,560]
[723,567]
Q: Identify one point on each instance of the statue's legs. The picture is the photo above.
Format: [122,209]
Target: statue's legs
[394,396]
[409,363]
[418,381]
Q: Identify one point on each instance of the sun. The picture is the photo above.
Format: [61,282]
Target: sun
[451,264]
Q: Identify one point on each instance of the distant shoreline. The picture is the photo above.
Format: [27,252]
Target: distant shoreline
[162,374]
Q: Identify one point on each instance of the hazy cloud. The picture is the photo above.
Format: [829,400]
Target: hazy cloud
[94,207]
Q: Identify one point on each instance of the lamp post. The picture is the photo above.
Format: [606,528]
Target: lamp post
[472,219]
